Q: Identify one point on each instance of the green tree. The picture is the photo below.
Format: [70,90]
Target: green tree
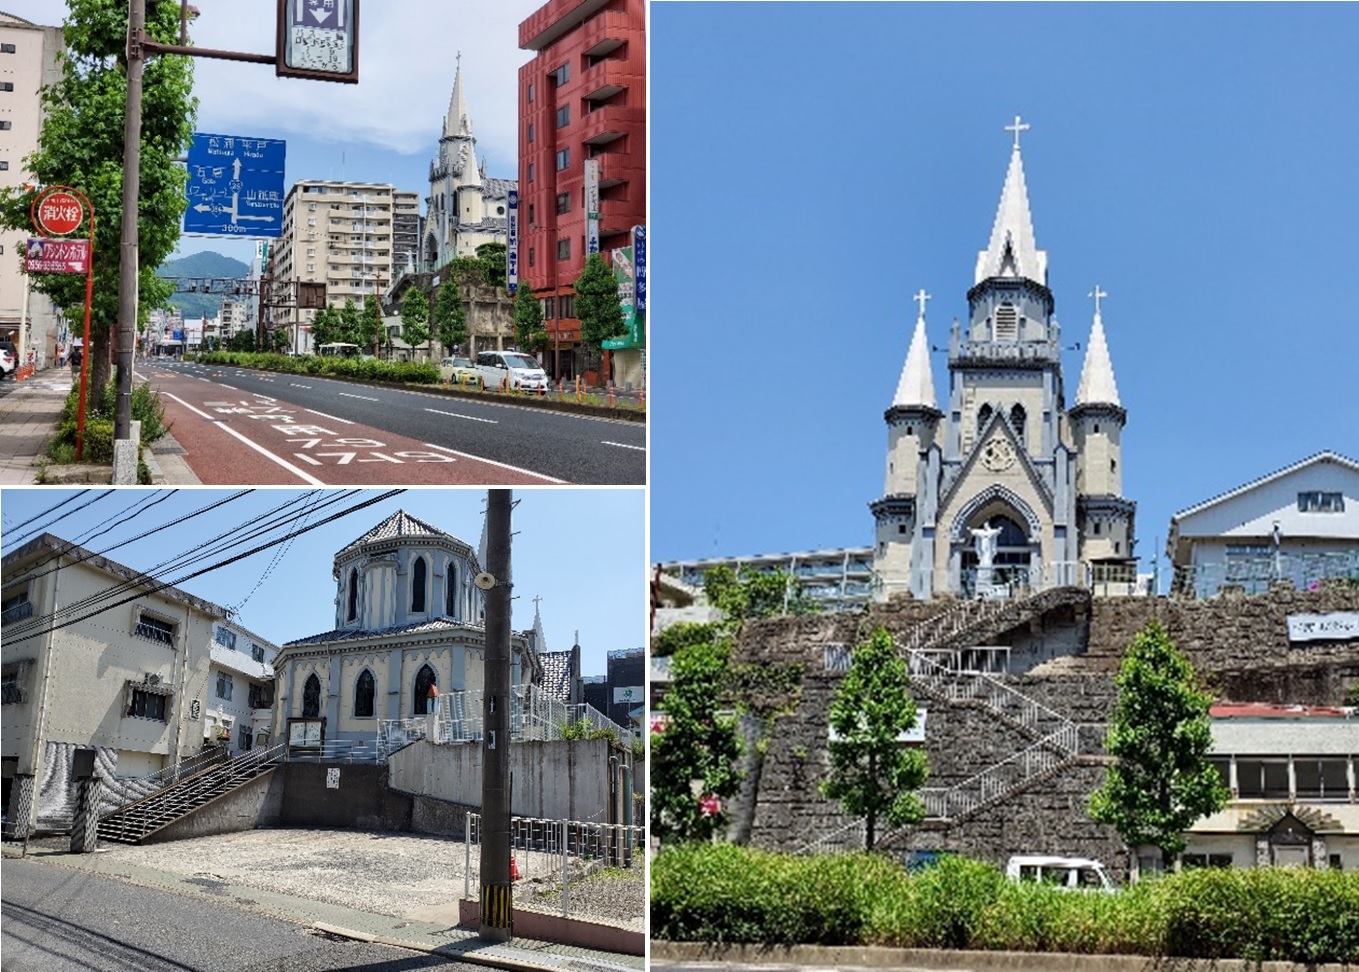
[597,305]
[528,319]
[415,317]
[80,144]
[871,773]
[1160,734]
[491,256]
[351,327]
[243,340]
[450,319]
[754,594]
[696,750]
[370,324]
[325,327]
[282,340]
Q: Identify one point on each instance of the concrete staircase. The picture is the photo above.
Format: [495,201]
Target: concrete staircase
[134,822]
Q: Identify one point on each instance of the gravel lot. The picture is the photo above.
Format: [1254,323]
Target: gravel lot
[396,874]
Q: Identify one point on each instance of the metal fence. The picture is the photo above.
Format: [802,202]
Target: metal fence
[1259,573]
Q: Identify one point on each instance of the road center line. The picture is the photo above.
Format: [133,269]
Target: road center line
[364,397]
[296,385]
[470,418]
[623,445]
[492,462]
[258,448]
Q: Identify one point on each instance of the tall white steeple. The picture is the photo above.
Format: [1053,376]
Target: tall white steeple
[916,387]
[457,123]
[1013,251]
[1097,385]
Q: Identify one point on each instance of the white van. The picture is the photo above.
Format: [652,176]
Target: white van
[523,373]
[1067,873]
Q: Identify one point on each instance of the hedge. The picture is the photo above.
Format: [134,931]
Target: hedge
[307,364]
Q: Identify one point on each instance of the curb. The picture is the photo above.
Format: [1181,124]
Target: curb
[974,961]
[453,951]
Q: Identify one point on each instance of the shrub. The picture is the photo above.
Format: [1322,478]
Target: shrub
[147,408]
[371,369]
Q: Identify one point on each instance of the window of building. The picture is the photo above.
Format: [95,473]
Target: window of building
[4,166]
[15,606]
[561,75]
[1223,765]
[12,685]
[224,686]
[1321,779]
[7,49]
[1019,418]
[311,698]
[531,211]
[365,689]
[549,307]
[530,131]
[566,305]
[451,592]
[1315,501]
[155,629]
[563,159]
[983,416]
[530,172]
[257,653]
[6,85]
[6,125]
[147,705]
[563,116]
[1007,323]
[564,249]
[245,740]
[224,636]
[530,92]
[260,696]
[1188,861]
[1262,779]
[353,594]
[563,202]
[532,256]
[418,571]
[423,682]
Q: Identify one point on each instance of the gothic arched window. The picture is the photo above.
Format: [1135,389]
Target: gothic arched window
[353,594]
[364,691]
[1007,323]
[418,585]
[311,698]
[1018,418]
[983,416]
[451,591]
[423,681]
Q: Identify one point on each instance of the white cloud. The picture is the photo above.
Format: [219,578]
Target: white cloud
[406,62]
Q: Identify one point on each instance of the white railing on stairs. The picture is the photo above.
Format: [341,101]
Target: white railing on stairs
[1004,778]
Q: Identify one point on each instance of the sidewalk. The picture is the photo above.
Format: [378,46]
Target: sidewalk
[434,932]
[29,415]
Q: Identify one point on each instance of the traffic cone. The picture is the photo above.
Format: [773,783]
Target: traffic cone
[514,869]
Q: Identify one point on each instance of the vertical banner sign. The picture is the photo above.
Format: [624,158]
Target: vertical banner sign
[639,266]
[512,243]
[591,206]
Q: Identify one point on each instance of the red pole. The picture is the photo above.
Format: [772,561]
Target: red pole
[85,349]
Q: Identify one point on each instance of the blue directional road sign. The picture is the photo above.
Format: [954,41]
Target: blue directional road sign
[235,186]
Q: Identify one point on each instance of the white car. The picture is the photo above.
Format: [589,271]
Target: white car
[1067,873]
[9,359]
[511,370]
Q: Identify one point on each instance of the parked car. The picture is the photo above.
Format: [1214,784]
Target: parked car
[1067,873]
[511,369]
[9,359]
[460,371]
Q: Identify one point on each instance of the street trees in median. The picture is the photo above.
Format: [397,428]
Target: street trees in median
[325,327]
[351,327]
[597,304]
[529,333]
[450,319]
[80,144]
[415,317]
[1160,733]
[370,325]
[872,774]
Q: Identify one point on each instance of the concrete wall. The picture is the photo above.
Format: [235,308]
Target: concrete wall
[552,780]
[360,798]
[256,804]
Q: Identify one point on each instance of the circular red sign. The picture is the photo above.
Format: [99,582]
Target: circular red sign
[60,213]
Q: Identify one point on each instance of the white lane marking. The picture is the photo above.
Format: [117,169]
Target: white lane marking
[364,397]
[208,380]
[333,418]
[624,445]
[296,385]
[492,462]
[258,448]
[470,418]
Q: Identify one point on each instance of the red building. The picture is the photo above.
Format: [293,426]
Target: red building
[582,97]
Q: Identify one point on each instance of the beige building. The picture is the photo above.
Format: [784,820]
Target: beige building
[28,60]
[339,233]
[92,658]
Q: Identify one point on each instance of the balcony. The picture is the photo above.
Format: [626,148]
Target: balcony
[606,79]
[610,123]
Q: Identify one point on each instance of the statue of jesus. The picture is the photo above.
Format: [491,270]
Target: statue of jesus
[984,537]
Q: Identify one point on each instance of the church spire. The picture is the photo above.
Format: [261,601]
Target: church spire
[457,123]
[1012,251]
[916,387]
[1097,385]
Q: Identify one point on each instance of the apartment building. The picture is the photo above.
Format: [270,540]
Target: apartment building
[406,224]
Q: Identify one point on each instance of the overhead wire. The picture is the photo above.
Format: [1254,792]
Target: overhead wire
[69,499]
[37,531]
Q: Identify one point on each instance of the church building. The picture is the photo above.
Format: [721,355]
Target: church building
[465,209]
[1003,489]
[409,629]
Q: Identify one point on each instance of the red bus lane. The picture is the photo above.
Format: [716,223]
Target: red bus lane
[236,438]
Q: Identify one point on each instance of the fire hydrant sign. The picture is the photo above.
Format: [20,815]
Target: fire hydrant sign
[60,213]
[57,256]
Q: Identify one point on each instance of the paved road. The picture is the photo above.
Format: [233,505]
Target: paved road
[242,427]
[58,919]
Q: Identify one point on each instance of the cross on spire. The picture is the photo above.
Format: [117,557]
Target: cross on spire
[536,599]
[1017,127]
[1097,294]
[920,299]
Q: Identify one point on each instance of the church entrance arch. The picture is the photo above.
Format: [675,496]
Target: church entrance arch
[1010,558]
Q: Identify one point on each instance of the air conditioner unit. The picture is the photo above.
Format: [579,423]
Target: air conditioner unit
[151,678]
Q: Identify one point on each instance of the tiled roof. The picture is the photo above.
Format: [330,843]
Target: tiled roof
[495,188]
[557,674]
[399,524]
[353,634]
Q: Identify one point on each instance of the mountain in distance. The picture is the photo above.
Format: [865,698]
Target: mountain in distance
[201,266]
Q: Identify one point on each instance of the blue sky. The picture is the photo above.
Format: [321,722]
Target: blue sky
[581,550]
[814,164]
[384,129]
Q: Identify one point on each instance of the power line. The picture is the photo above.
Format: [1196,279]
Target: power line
[69,499]
[86,505]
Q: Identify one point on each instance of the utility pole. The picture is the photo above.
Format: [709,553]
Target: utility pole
[496,890]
